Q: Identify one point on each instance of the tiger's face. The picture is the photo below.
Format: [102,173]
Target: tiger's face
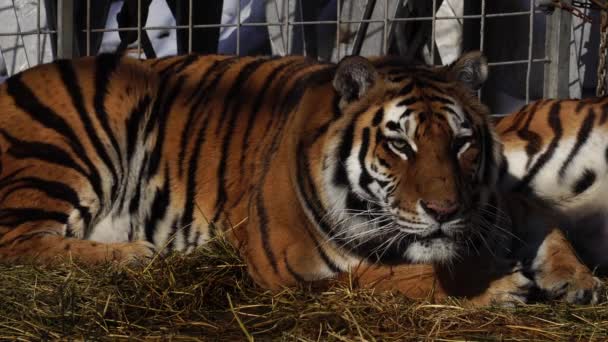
[413,160]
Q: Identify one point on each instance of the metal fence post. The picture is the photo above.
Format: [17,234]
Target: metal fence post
[65,28]
[557,49]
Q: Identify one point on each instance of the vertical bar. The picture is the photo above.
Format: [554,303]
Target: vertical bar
[433,32]
[287,28]
[482,29]
[530,44]
[385,29]
[483,25]
[557,50]
[65,28]
[138,28]
[189,26]
[20,38]
[238,27]
[338,16]
[38,52]
[88,27]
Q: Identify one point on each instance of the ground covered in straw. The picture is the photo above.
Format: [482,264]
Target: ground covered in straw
[208,296]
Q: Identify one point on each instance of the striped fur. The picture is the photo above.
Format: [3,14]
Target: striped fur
[557,150]
[311,170]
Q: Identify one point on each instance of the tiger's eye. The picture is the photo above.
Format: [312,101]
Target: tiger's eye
[402,147]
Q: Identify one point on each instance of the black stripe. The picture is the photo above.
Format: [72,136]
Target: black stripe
[22,149]
[393,126]
[201,97]
[27,101]
[169,66]
[533,139]
[365,179]
[134,124]
[294,96]
[409,101]
[186,62]
[346,144]
[233,108]
[160,114]
[451,111]
[312,203]
[206,93]
[231,97]
[70,80]
[289,68]
[16,216]
[291,99]
[54,190]
[191,185]
[28,236]
[405,114]
[264,233]
[440,100]
[106,64]
[160,204]
[555,124]
[298,278]
[378,117]
[584,182]
[134,203]
[581,138]
[260,99]
[406,89]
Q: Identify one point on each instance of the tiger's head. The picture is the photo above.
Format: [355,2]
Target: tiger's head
[409,166]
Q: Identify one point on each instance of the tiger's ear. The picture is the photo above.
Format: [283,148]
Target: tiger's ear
[470,69]
[355,75]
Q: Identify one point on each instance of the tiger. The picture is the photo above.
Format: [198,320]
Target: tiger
[557,150]
[377,171]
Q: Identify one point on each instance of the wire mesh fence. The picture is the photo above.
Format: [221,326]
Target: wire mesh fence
[531,45]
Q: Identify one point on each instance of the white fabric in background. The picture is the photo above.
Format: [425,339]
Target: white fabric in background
[448,32]
[229,14]
[164,41]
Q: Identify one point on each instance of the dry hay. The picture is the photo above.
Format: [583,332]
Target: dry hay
[208,296]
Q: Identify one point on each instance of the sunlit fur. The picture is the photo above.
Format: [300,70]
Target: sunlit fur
[311,170]
[160,152]
[374,191]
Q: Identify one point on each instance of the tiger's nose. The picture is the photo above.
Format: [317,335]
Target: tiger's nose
[440,211]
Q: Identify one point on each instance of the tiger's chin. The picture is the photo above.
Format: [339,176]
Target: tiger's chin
[441,250]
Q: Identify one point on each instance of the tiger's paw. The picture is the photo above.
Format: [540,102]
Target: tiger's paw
[574,287]
[508,291]
[136,252]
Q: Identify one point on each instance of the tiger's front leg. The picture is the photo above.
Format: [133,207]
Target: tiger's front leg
[481,281]
[292,257]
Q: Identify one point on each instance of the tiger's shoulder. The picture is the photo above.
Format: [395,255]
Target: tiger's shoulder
[557,149]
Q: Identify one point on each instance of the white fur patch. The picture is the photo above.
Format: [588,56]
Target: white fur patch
[438,250]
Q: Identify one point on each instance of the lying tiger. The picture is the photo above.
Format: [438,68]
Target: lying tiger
[375,170]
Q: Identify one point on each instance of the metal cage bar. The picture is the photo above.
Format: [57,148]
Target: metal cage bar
[557,49]
[555,59]
[65,28]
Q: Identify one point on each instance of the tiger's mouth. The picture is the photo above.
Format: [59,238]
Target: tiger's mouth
[436,234]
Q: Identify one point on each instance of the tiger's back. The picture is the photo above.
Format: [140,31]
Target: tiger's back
[146,152]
